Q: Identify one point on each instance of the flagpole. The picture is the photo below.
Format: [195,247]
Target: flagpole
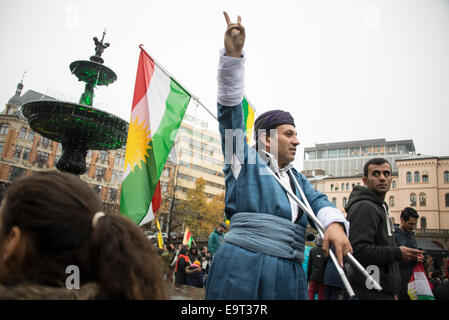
[194,98]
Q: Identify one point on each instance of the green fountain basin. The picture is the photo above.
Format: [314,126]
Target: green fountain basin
[93,72]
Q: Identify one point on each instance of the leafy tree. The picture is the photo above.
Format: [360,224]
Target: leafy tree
[198,213]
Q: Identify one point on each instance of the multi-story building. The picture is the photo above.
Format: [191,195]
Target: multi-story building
[347,158]
[199,155]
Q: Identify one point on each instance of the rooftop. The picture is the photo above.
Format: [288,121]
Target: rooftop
[361,143]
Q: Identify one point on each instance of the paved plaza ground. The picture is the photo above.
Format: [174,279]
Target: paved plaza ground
[183,292]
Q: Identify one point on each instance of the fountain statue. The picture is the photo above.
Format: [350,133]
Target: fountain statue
[79,127]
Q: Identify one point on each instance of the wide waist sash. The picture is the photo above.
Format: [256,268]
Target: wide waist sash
[267,234]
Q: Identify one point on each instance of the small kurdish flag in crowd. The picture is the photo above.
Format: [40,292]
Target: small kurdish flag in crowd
[418,287]
[159,105]
[248,114]
[187,240]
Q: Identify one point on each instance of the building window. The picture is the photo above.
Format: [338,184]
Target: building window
[347,186]
[100,173]
[41,159]
[413,200]
[394,184]
[113,176]
[345,202]
[333,153]
[4,129]
[355,152]
[2,145]
[408,177]
[117,160]
[343,153]
[26,154]
[332,187]
[446,176]
[422,199]
[423,223]
[112,196]
[334,201]
[447,199]
[45,142]
[425,178]
[15,173]
[309,155]
[322,154]
[23,133]
[18,152]
[343,187]
[417,176]
[30,136]
[391,202]
[103,157]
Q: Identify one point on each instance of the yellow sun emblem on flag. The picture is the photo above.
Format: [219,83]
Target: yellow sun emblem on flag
[137,144]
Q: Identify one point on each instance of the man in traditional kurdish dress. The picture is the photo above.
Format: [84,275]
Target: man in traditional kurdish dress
[263,252]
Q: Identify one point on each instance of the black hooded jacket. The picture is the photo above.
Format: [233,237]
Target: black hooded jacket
[372,239]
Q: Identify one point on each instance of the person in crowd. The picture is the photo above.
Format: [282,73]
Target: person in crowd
[194,275]
[172,255]
[52,223]
[445,266]
[428,266]
[205,263]
[181,266]
[404,236]
[216,238]
[334,286]
[315,270]
[194,254]
[262,255]
[442,291]
[309,245]
[371,234]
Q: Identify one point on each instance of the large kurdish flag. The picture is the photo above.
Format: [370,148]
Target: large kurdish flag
[158,107]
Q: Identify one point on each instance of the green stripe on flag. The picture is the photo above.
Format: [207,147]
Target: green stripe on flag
[138,189]
[176,105]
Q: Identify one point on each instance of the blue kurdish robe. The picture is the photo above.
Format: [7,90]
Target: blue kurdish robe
[237,273]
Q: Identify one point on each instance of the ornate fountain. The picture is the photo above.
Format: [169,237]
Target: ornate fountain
[78,126]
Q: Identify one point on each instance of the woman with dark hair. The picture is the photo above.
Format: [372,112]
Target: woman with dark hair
[181,266]
[51,222]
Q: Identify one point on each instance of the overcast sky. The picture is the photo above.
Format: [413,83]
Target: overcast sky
[346,69]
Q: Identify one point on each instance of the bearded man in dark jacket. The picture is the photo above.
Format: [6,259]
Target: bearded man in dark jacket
[371,235]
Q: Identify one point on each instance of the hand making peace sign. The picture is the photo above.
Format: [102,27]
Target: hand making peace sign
[234,37]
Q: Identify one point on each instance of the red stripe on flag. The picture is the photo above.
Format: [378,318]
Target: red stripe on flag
[156,201]
[145,70]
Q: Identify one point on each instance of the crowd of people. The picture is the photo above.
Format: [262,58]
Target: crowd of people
[186,265]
